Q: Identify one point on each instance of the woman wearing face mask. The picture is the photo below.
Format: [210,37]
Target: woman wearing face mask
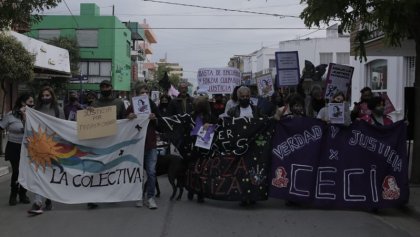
[377,117]
[338,97]
[14,122]
[46,103]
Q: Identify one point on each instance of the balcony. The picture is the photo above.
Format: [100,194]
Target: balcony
[137,33]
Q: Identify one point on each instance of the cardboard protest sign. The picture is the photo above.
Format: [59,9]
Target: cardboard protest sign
[218,80]
[98,122]
[338,79]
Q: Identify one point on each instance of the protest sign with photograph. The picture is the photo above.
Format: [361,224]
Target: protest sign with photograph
[338,79]
[218,80]
[200,142]
[265,86]
[288,72]
[155,95]
[141,104]
[336,113]
[97,122]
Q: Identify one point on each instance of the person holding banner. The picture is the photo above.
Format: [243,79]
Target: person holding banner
[377,117]
[361,109]
[14,122]
[46,103]
[107,99]
[150,151]
[244,107]
[338,97]
[233,101]
[295,107]
[204,119]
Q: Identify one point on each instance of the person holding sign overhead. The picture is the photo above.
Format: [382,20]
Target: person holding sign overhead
[150,151]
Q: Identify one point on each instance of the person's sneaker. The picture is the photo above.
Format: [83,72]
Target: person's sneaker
[36,209]
[151,203]
[48,205]
[139,203]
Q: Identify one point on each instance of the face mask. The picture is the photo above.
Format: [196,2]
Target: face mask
[46,101]
[243,103]
[73,99]
[30,106]
[163,105]
[106,93]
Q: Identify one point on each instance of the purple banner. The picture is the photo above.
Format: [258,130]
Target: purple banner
[332,166]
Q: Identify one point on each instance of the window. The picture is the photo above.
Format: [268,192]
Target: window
[378,75]
[46,35]
[343,58]
[96,71]
[87,38]
[325,58]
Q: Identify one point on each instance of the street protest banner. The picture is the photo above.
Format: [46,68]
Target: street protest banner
[141,104]
[265,86]
[330,166]
[288,72]
[98,122]
[57,165]
[338,79]
[218,80]
[237,164]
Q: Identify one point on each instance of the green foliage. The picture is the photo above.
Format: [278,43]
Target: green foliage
[21,12]
[17,64]
[73,47]
[174,79]
[397,19]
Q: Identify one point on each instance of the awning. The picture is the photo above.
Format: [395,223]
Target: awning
[48,58]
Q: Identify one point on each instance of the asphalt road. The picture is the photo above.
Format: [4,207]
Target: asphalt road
[210,219]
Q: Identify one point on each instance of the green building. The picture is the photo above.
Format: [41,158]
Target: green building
[105,46]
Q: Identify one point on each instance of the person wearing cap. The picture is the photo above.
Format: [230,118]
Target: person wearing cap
[107,99]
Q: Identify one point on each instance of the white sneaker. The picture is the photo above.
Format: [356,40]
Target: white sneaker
[151,203]
[139,203]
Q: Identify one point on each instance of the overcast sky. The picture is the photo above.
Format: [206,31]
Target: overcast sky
[198,48]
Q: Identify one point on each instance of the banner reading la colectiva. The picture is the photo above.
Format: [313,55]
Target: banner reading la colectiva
[330,166]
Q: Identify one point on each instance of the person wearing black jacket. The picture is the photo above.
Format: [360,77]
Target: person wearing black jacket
[183,103]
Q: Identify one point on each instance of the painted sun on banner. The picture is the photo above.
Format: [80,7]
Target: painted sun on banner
[59,166]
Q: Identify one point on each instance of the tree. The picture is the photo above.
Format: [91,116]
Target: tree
[17,64]
[20,12]
[398,20]
[74,52]
[174,79]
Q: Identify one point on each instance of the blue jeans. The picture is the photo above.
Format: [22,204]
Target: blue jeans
[150,159]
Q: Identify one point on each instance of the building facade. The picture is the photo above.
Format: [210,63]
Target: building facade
[104,41]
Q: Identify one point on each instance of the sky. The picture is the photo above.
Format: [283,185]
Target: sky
[199,48]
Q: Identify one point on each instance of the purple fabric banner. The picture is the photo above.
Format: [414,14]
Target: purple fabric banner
[330,166]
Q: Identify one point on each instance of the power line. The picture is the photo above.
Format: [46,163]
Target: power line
[193,28]
[74,18]
[223,9]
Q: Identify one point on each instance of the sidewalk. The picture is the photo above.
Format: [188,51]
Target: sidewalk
[4,166]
